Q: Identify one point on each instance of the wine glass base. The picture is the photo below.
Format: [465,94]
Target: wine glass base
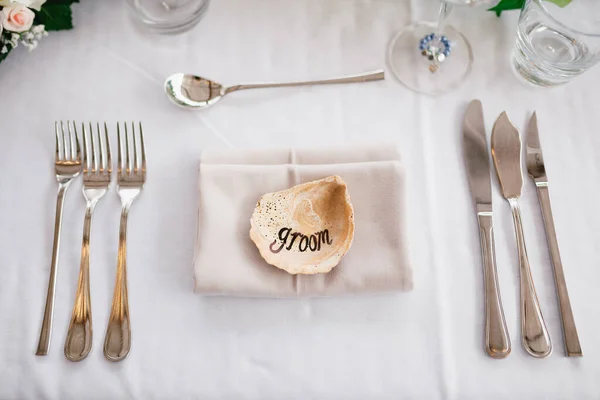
[412,69]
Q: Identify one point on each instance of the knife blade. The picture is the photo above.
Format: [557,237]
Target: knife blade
[477,157]
[497,341]
[535,158]
[537,171]
[506,152]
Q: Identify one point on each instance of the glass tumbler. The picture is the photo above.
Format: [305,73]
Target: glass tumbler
[168,16]
[554,43]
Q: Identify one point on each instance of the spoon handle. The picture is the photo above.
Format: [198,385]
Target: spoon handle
[364,77]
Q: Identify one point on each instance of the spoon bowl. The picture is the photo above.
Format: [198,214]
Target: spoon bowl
[190,91]
[196,92]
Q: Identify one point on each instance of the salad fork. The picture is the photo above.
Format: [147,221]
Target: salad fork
[96,181]
[67,166]
[131,176]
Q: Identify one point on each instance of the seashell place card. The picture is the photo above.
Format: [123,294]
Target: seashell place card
[305,229]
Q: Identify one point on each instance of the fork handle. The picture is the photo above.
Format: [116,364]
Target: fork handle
[117,342]
[46,331]
[79,337]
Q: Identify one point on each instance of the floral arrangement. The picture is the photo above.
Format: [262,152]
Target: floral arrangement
[25,22]
[505,5]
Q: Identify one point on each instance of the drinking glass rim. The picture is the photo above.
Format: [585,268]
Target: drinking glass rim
[549,15]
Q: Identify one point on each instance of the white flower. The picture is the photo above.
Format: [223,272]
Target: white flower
[4,50]
[17,18]
[31,38]
[30,44]
[35,4]
[14,39]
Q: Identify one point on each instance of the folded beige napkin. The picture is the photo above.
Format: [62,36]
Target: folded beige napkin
[227,262]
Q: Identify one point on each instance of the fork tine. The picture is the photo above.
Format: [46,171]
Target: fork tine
[143,151]
[69,135]
[135,150]
[57,140]
[102,155]
[120,151]
[65,153]
[93,149]
[73,139]
[109,161]
[78,155]
[127,156]
[85,152]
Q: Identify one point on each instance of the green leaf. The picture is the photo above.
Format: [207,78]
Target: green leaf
[55,17]
[507,5]
[560,3]
[3,56]
[61,2]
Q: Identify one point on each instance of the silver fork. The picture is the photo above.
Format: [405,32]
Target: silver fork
[131,175]
[96,181]
[67,166]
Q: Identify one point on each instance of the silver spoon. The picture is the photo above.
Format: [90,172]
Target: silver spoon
[195,92]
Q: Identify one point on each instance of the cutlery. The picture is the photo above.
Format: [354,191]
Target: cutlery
[131,176]
[506,152]
[196,92]
[497,341]
[67,165]
[96,181]
[537,171]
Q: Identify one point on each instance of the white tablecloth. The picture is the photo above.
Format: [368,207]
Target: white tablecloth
[424,344]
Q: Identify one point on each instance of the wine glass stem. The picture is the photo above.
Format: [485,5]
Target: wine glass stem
[445,9]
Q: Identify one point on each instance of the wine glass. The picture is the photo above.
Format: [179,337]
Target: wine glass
[432,57]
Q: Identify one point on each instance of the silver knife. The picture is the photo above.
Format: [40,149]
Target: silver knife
[537,171]
[506,152]
[497,341]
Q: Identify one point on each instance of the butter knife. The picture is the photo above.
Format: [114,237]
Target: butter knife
[537,171]
[497,341]
[506,152]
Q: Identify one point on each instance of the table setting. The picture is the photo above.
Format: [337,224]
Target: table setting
[404,210]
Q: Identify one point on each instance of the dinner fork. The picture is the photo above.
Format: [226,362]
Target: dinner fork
[67,165]
[96,181]
[131,175]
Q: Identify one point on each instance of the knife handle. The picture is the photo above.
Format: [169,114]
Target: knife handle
[572,345]
[497,341]
[534,333]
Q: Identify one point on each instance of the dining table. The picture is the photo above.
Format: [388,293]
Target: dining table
[427,343]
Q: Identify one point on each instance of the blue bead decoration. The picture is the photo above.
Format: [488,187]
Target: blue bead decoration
[435,48]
